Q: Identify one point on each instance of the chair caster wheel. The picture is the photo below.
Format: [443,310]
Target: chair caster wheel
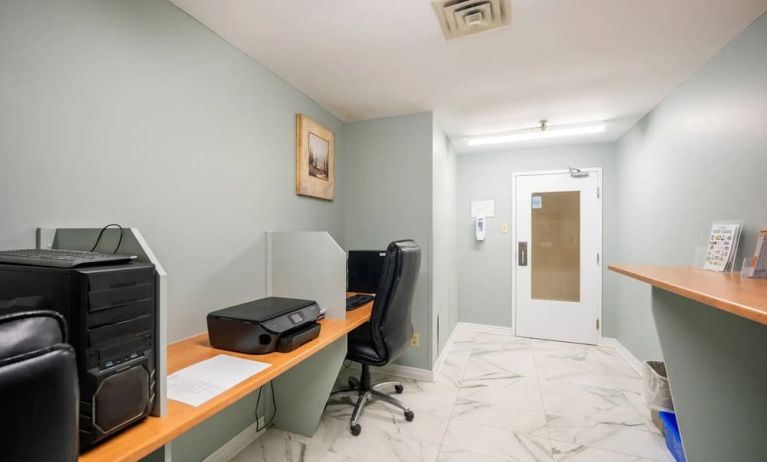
[356,429]
[398,388]
[409,416]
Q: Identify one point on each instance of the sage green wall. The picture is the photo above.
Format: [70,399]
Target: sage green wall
[388,171]
[445,258]
[701,155]
[132,112]
[484,268]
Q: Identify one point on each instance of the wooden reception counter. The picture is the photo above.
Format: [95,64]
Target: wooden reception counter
[746,298]
[713,334]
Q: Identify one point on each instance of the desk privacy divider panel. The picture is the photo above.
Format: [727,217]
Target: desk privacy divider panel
[309,265]
[133,243]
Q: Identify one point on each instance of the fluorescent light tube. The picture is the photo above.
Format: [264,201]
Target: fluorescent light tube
[537,134]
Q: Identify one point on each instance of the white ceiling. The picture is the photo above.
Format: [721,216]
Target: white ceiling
[563,60]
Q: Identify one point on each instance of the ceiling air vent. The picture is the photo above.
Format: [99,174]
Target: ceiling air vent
[464,17]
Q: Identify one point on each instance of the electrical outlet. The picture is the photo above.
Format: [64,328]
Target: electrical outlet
[415,340]
[261,421]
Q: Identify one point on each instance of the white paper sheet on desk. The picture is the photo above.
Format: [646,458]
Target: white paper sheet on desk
[207,379]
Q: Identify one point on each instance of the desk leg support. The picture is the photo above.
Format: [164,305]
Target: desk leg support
[717,367]
[161,455]
[302,392]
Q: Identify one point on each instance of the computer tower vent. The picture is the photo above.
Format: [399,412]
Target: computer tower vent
[464,17]
[121,399]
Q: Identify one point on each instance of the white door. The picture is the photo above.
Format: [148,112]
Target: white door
[558,277]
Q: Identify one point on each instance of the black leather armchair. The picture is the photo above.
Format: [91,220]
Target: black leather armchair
[38,388]
[387,335]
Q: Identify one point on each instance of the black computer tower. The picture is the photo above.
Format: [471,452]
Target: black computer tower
[110,313]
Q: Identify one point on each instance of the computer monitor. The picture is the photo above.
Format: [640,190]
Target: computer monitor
[363,270]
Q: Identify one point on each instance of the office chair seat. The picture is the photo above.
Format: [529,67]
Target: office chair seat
[360,347]
[387,335]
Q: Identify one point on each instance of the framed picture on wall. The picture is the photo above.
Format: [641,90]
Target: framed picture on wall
[315,159]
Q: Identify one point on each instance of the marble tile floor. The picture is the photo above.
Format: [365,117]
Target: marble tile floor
[497,398]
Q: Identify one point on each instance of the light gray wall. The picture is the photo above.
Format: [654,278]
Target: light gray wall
[701,155]
[444,258]
[388,171]
[132,112]
[484,268]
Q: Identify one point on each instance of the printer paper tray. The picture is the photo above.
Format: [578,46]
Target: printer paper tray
[289,341]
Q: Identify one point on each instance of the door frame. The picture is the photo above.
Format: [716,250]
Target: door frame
[514,176]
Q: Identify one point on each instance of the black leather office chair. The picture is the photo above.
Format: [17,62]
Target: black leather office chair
[387,335]
[38,388]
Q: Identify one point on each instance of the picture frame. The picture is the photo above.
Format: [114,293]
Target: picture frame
[315,159]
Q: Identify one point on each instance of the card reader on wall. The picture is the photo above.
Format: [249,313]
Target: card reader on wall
[265,325]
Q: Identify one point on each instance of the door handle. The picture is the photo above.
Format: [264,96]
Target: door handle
[522,254]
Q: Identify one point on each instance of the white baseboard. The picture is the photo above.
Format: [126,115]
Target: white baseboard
[443,354]
[624,353]
[235,445]
[406,372]
[416,373]
[485,328]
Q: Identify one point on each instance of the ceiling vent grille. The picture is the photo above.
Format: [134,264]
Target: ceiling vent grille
[465,17]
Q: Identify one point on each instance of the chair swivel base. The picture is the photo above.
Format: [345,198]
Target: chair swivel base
[367,392]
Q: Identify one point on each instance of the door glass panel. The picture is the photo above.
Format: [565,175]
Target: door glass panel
[556,246]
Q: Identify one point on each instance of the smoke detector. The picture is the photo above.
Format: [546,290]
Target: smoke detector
[465,17]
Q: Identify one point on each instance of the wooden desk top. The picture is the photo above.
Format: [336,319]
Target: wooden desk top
[744,297]
[154,432]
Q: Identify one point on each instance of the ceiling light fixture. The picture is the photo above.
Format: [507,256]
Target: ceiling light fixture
[543,131]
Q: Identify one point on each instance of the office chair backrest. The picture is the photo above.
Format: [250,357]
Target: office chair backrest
[390,320]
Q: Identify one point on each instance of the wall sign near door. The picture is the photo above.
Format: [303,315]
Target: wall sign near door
[482,208]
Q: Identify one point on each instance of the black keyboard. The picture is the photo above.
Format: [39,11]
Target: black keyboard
[60,258]
[355,301]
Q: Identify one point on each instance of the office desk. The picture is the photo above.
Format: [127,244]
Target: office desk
[154,432]
[713,332]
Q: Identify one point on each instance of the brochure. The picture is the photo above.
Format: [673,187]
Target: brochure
[722,246]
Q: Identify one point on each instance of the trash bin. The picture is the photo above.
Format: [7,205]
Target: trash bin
[657,396]
[656,391]
[673,437]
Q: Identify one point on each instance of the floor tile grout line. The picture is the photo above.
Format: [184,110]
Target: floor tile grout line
[543,403]
[500,459]
[458,393]
[608,450]
[452,418]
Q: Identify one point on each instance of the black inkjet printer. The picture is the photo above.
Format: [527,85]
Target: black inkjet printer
[265,325]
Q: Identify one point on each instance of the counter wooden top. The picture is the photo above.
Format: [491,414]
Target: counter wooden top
[154,432]
[744,297]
